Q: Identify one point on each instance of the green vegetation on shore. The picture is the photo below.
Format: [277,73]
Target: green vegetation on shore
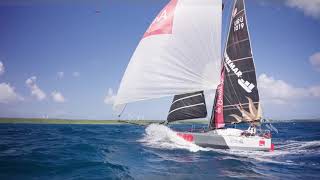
[69,121]
[114,122]
[62,121]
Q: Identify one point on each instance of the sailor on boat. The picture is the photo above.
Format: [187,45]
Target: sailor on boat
[251,131]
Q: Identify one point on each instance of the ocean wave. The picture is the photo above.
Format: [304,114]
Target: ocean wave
[154,152]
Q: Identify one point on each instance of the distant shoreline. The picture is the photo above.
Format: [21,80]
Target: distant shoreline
[116,122]
[62,121]
[98,122]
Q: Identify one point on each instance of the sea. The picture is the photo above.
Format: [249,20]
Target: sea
[43,151]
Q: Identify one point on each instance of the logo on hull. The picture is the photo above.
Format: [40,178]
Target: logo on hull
[262,143]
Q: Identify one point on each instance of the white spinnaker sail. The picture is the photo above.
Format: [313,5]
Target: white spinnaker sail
[179,53]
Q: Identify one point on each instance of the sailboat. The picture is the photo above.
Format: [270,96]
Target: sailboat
[180,55]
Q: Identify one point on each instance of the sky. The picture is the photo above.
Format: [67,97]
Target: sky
[65,59]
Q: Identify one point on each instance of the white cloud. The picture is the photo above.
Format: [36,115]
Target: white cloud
[35,90]
[281,92]
[75,74]
[315,60]
[309,7]
[58,97]
[109,99]
[60,75]
[1,68]
[8,94]
[315,91]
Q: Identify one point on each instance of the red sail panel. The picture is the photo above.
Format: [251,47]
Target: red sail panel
[163,23]
[218,106]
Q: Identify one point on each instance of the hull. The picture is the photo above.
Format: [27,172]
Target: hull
[228,139]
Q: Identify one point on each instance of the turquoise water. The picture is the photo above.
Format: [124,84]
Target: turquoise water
[134,152]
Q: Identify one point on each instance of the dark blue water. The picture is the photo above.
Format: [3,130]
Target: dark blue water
[124,152]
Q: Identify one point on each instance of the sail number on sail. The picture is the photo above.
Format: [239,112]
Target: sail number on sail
[238,24]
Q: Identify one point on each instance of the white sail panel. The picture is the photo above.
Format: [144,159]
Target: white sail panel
[179,53]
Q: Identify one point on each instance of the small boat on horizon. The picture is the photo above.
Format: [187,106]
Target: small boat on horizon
[180,55]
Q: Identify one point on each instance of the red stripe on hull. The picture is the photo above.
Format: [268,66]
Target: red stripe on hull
[187,137]
[272,147]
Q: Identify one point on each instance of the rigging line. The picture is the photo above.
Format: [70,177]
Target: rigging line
[226,45]
[239,42]
[122,110]
[234,105]
[225,50]
[228,27]
[227,99]
[223,59]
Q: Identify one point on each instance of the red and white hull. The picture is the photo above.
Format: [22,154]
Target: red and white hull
[228,139]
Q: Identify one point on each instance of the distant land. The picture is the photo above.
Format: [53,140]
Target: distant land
[110,122]
[307,120]
[70,121]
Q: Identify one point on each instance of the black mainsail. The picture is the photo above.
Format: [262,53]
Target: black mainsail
[240,93]
[187,106]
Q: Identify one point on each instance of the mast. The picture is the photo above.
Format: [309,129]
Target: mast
[240,93]
[217,119]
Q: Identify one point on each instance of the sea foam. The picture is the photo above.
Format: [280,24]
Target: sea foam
[160,136]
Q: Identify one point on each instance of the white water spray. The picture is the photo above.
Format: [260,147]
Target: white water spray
[160,136]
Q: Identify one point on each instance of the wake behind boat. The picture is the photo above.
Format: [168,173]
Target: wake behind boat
[180,55]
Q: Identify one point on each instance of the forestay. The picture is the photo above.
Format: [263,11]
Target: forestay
[179,53]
